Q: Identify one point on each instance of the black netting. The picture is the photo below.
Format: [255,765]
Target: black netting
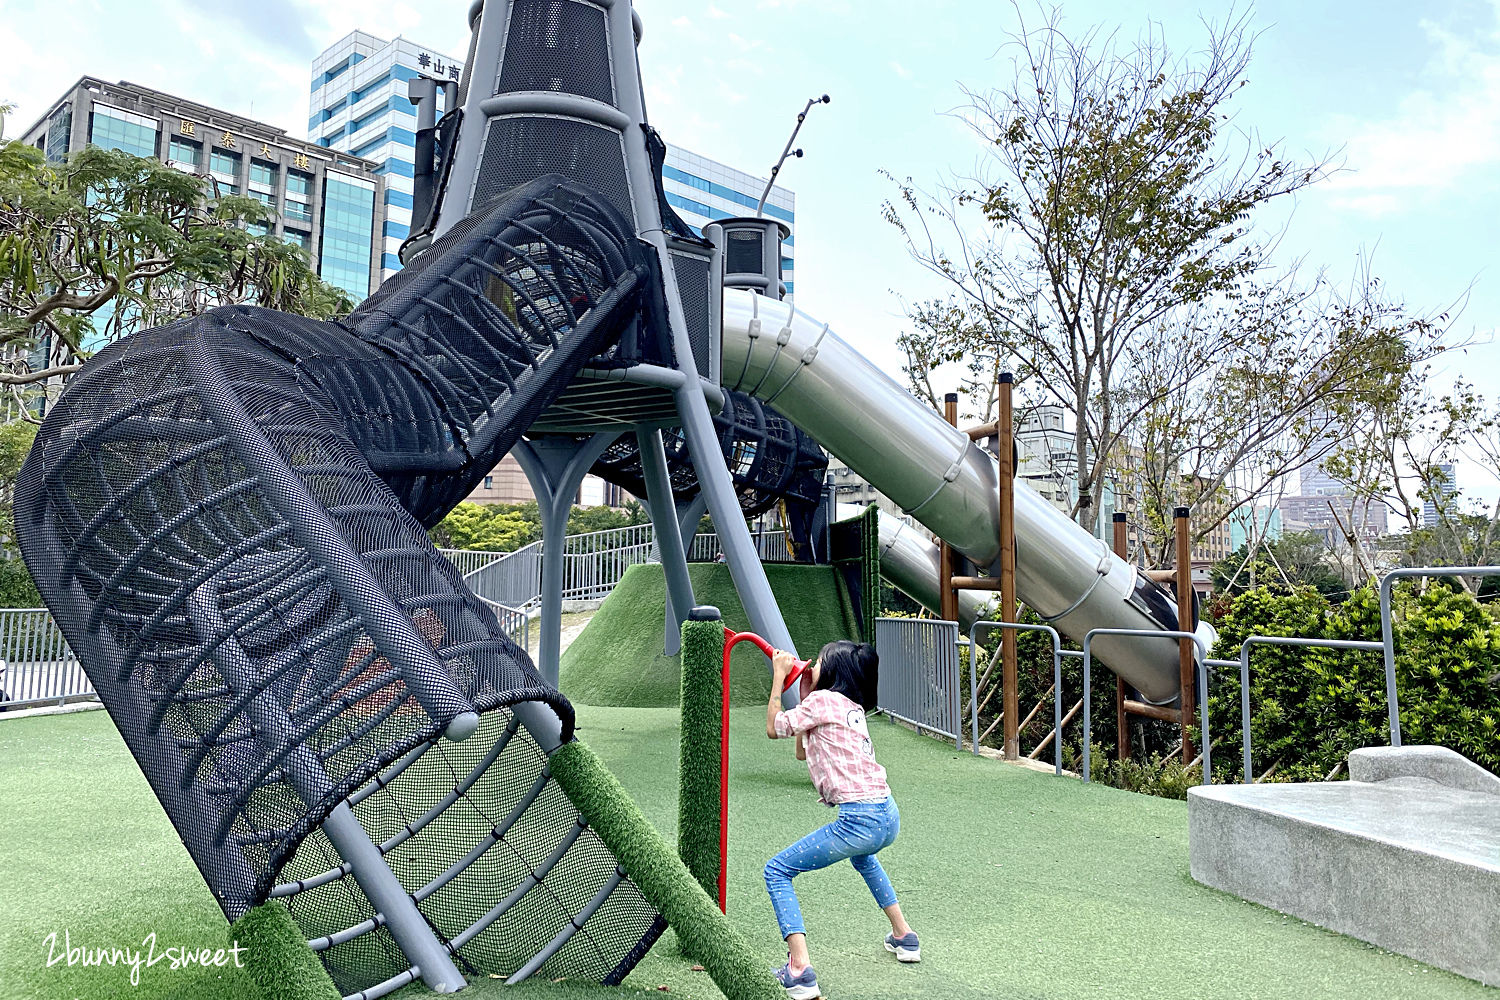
[770,459]
[692,291]
[557,45]
[744,252]
[225,516]
[518,148]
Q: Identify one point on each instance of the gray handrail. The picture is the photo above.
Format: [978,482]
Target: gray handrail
[1274,640]
[1088,640]
[1388,632]
[1056,683]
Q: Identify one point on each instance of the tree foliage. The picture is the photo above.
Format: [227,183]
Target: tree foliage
[106,242]
[1298,559]
[1104,251]
[500,527]
[1311,707]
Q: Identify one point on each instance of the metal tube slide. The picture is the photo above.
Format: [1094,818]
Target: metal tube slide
[934,472]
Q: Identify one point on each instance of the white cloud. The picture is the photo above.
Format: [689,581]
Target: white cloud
[900,70]
[1440,136]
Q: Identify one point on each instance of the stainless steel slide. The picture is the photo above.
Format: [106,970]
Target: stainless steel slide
[935,473]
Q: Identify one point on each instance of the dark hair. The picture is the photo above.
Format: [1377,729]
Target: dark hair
[851,669]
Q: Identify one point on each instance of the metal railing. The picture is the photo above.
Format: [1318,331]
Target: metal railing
[593,563]
[1057,655]
[468,560]
[1088,658]
[770,546]
[919,681]
[38,666]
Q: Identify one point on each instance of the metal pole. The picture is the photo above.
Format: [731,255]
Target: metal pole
[668,536]
[1122,723]
[801,117]
[1185,624]
[734,537]
[1388,651]
[1011,702]
[947,596]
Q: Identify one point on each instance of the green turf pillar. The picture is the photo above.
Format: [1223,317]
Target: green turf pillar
[277,958]
[702,732]
[736,969]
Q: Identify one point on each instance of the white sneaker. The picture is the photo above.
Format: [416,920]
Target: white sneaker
[906,949]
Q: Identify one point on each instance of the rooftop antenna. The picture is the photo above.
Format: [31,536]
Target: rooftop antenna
[788,151]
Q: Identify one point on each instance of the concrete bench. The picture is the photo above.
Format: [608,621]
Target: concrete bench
[1405,855]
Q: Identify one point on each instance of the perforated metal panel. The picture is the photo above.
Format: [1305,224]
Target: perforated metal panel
[744,252]
[692,288]
[521,148]
[560,46]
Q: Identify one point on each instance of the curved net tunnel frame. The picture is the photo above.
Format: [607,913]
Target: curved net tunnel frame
[226,516]
[770,459]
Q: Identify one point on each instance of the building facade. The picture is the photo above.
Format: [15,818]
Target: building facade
[328,203]
[1443,490]
[359,105]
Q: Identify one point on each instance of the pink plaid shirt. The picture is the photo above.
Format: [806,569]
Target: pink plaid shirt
[840,756]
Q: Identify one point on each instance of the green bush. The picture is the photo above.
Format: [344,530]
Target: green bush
[17,589]
[1311,707]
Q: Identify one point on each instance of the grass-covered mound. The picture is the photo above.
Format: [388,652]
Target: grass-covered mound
[617,660]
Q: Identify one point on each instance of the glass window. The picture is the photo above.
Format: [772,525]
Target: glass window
[299,211]
[132,133]
[303,241]
[298,183]
[185,152]
[59,131]
[265,198]
[262,174]
[224,163]
[489,482]
[257,228]
[348,233]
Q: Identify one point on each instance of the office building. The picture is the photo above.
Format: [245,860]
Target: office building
[1444,489]
[359,105]
[328,203]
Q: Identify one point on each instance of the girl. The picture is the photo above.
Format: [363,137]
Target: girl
[832,737]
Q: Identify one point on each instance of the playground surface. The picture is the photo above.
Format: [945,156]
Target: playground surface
[1022,885]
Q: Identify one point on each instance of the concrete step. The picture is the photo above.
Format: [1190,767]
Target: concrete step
[1409,862]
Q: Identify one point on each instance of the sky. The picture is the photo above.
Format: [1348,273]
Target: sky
[1405,94]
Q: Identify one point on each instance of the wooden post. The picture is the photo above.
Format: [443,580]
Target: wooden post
[1185,624]
[947,596]
[1005,425]
[1122,724]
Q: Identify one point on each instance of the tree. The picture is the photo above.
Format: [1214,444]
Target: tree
[1299,559]
[107,242]
[1103,251]
[485,528]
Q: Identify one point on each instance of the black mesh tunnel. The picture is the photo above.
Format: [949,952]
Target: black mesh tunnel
[226,516]
[770,459]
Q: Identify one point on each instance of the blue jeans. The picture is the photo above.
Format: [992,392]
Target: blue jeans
[862,828]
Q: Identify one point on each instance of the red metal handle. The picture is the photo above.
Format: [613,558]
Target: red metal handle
[731,638]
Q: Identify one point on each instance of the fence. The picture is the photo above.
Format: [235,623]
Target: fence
[38,667]
[918,680]
[593,563]
[468,560]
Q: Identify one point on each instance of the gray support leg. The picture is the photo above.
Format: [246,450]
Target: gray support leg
[734,537]
[408,927]
[555,467]
[668,535]
[688,516]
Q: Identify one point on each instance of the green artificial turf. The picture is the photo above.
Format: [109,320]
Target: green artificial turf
[701,741]
[662,878]
[1022,885]
[617,660]
[278,958]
